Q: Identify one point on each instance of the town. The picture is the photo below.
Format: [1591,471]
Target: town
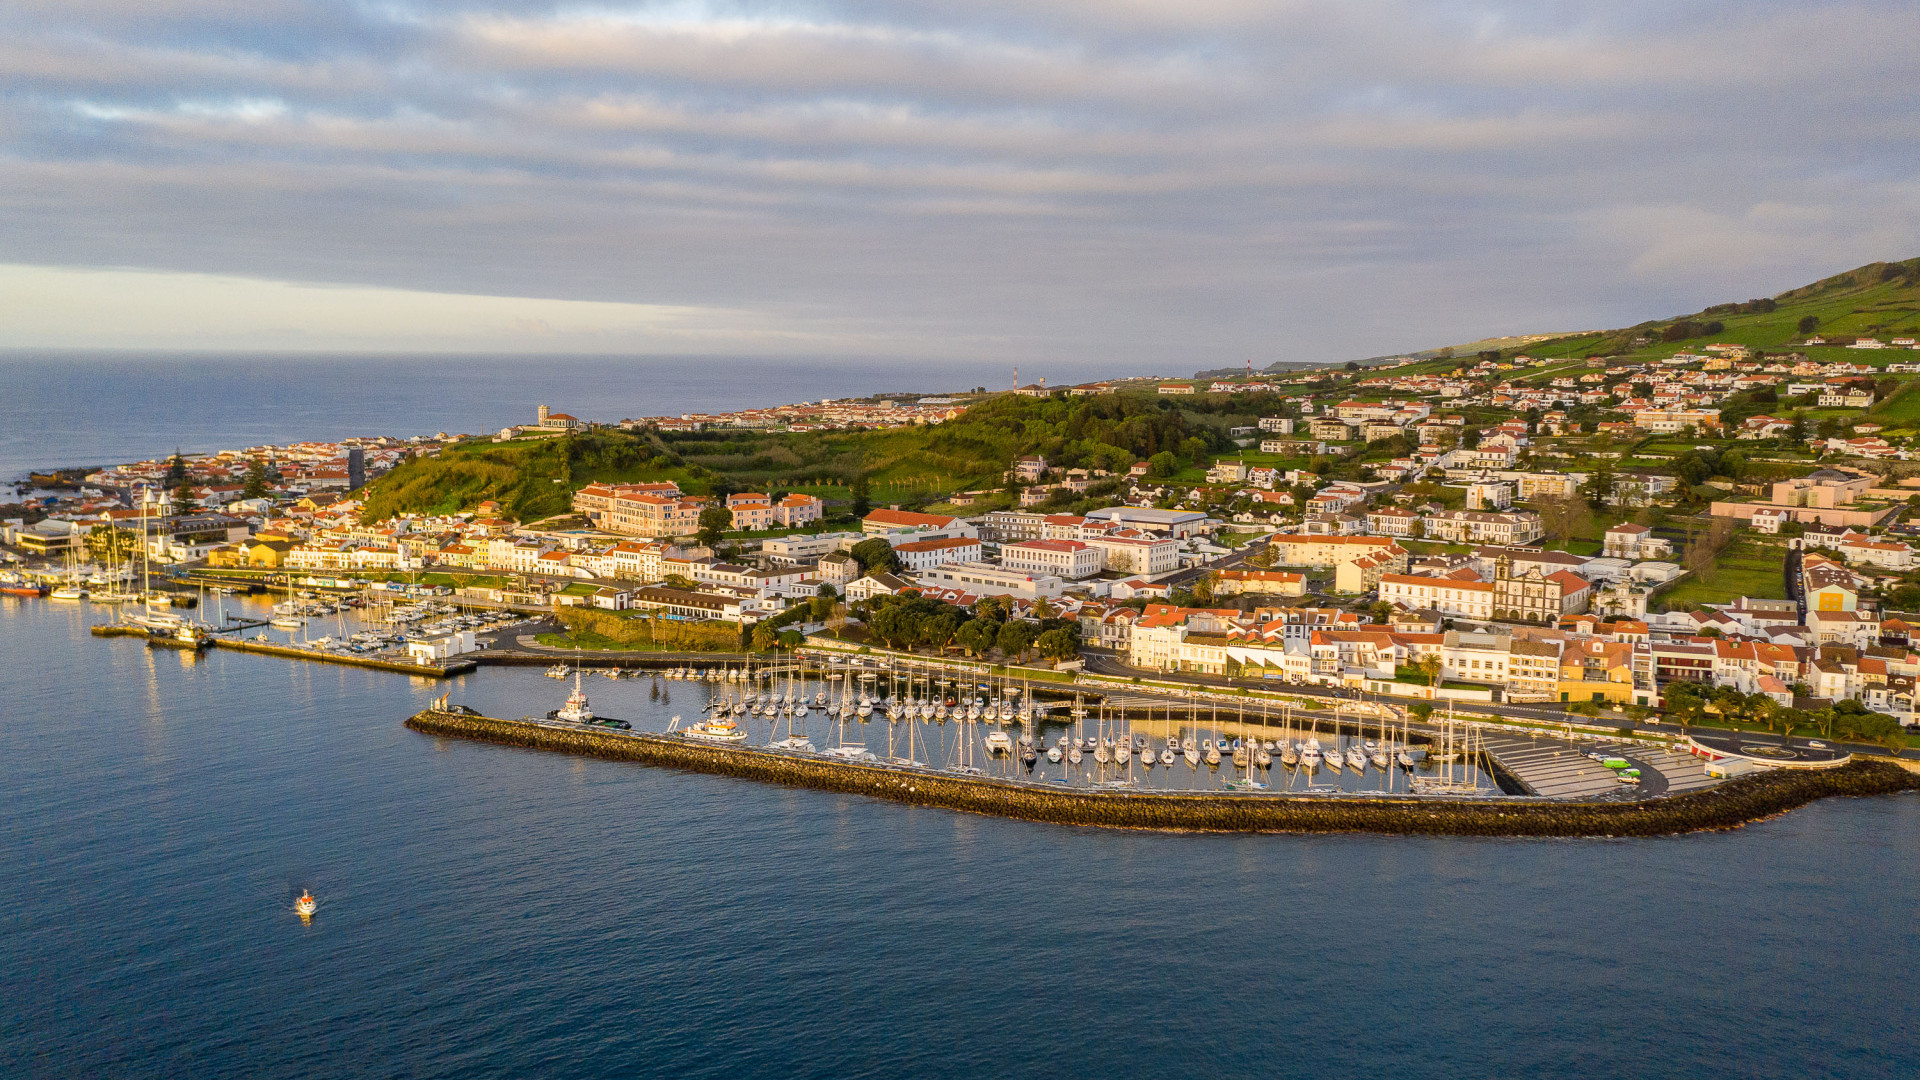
[1716,533]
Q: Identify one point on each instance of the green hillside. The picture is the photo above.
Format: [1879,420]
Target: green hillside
[1879,300]
[535,478]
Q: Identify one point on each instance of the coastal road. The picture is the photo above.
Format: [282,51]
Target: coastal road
[1105,662]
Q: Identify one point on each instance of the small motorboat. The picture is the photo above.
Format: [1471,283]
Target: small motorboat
[305,906]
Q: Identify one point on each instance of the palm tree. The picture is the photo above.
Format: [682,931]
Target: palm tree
[1430,666]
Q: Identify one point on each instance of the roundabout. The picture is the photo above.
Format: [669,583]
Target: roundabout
[1765,751]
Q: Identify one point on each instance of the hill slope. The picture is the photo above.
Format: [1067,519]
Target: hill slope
[1876,300]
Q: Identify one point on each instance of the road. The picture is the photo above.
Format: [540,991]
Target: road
[1108,663]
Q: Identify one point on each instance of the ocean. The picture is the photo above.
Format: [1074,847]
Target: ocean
[80,409]
[491,912]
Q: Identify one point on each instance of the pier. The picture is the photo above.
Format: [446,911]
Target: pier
[1749,798]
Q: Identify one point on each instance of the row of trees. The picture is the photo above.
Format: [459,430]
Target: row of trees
[913,622]
[1692,703]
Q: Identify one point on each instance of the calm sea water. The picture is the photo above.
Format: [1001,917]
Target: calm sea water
[68,409]
[494,912]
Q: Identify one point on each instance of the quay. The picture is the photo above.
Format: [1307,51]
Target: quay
[1749,798]
[438,669]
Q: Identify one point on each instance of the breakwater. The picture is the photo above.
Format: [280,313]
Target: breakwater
[1750,798]
[437,670]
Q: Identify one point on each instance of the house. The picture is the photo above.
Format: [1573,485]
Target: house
[1630,541]
[1030,469]
[875,584]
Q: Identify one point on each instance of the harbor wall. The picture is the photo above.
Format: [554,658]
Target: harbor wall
[1729,805]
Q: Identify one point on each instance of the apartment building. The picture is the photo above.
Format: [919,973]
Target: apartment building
[1143,555]
[656,515]
[596,500]
[1294,549]
[1071,560]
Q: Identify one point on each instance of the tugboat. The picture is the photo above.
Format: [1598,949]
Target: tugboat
[576,710]
[305,906]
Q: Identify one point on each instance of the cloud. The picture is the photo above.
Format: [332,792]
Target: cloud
[1164,184]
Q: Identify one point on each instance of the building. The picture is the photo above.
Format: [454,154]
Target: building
[1393,521]
[651,514]
[1630,541]
[1030,470]
[1532,596]
[1070,560]
[985,579]
[1468,598]
[1259,583]
[926,554]
[901,526]
[1672,420]
[1005,525]
[1489,495]
[752,511]
[1481,527]
[1138,555]
[1296,549]
[1178,524]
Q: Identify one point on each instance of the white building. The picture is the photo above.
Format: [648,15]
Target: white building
[1137,554]
[1071,560]
[984,579]
[927,554]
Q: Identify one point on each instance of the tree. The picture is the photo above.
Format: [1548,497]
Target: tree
[715,520]
[1014,638]
[1162,465]
[1702,554]
[1381,611]
[827,590]
[1429,665]
[820,607]
[1599,486]
[1059,644]
[1809,323]
[183,500]
[976,636]
[176,470]
[876,555]
[938,631]
[256,484]
[862,496]
[764,636]
[1561,516]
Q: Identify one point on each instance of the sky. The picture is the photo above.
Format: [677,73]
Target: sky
[1167,185]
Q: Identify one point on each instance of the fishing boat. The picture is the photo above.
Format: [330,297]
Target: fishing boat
[576,710]
[305,906]
[22,588]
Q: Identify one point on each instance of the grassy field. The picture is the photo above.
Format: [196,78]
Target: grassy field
[1903,406]
[1747,568]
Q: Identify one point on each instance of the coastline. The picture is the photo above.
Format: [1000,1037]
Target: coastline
[1739,802]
